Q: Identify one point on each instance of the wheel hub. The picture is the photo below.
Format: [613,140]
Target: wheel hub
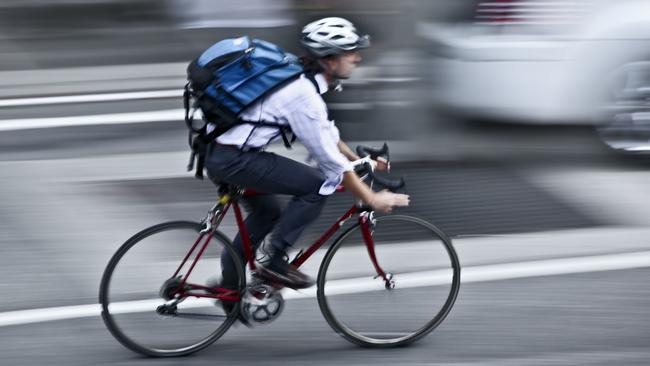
[170,288]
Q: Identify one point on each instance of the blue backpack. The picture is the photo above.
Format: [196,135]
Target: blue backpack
[227,78]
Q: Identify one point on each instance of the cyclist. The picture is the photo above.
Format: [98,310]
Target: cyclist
[238,157]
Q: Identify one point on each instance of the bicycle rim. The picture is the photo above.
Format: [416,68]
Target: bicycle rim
[130,291]
[355,300]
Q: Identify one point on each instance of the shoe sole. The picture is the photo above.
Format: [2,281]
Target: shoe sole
[276,277]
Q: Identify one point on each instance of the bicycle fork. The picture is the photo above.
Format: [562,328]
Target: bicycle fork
[368,222]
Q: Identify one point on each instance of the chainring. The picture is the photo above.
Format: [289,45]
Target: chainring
[262,304]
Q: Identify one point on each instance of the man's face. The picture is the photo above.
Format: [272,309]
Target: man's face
[341,66]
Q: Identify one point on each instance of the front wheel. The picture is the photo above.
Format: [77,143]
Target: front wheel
[420,282]
[143,303]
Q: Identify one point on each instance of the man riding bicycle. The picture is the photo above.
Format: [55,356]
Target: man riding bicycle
[237,157]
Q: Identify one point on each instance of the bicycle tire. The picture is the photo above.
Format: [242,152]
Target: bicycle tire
[355,336]
[105,295]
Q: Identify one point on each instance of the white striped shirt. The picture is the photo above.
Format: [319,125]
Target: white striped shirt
[298,105]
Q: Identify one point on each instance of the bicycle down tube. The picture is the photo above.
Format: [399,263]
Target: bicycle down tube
[300,259]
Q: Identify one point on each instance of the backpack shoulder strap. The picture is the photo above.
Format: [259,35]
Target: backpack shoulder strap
[312,77]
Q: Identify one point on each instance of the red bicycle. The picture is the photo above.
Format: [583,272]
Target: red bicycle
[385,281]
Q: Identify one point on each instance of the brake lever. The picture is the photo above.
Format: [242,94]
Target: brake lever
[391,184]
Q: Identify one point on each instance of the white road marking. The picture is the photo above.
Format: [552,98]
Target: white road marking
[100,119]
[138,117]
[48,314]
[238,23]
[551,267]
[88,98]
[174,93]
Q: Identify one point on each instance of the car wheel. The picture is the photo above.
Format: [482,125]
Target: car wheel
[625,126]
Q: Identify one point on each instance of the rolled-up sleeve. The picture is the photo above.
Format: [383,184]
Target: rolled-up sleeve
[309,122]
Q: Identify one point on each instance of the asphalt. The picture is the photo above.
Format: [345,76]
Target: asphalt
[540,321]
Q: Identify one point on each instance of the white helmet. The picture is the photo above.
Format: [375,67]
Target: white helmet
[332,36]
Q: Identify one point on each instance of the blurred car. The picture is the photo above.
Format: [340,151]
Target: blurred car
[550,62]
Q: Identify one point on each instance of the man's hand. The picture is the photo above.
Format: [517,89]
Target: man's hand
[384,201]
[381,164]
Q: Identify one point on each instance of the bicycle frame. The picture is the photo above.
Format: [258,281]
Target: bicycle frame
[225,202]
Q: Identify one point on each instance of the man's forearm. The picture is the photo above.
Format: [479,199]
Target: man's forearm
[346,151]
[382,201]
[358,188]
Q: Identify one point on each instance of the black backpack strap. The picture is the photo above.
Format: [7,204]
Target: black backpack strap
[285,139]
[312,77]
[283,131]
[189,118]
[199,150]
[186,105]
[199,143]
[189,106]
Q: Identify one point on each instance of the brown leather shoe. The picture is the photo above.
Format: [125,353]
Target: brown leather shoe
[288,276]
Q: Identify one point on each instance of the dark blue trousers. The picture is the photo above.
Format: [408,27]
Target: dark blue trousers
[269,174]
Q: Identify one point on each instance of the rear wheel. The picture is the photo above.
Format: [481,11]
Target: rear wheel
[424,273]
[139,295]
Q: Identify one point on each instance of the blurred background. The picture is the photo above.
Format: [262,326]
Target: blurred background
[521,128]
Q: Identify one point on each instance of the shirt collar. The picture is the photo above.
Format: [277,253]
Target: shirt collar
[323,87]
